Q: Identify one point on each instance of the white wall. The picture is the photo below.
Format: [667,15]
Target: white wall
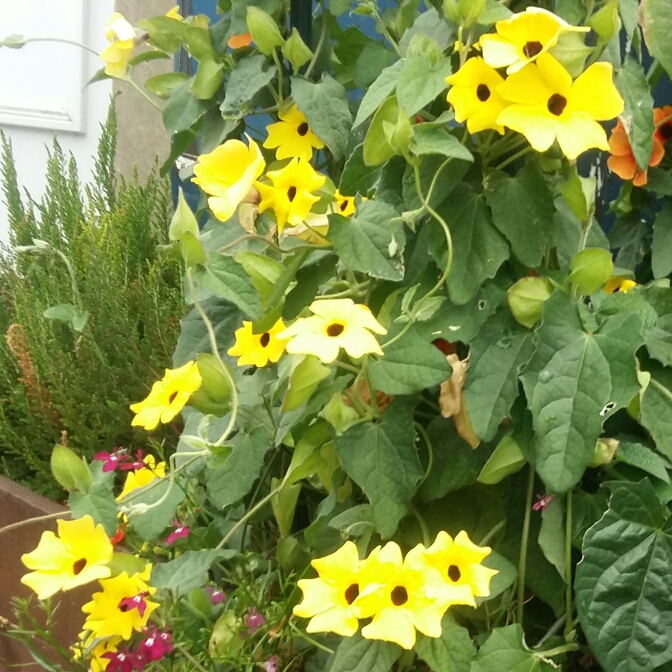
[42,85]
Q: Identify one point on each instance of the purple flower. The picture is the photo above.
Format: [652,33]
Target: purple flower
[136,602]
[542,502]
[111,460]
[271,665]
[216,596]
[180,532]
[122,661]
[253,621]
[156,645]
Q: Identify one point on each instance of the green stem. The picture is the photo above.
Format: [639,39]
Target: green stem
[517,155]
[278,65]
[492,532]
[522,561]
[430,451]
[565,648]
[569,623]
[37,519]
[128,79]
[303,635]
[423,525]
[62,41]
[318,49]
[191,659]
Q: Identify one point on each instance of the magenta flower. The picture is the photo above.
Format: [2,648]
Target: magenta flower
[111,460]
[122,661]
[542,502]
[253,621]
[137,602]
[180,532]
[156,645]
[138,464]
[216,596]
[271,665]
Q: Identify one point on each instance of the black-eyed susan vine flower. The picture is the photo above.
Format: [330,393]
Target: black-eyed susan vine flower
[345,205]
[474,96]
[227,175]
[335,324]
[122,607]
[619,283]
[167,396]
[117,55]
[523,38]
[78,555]
[143,476]
[291,197]
[291,136]
[545,105]
[258,349]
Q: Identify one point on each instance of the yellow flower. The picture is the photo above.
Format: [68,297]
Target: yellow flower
[618,283]
[167,397]
[459,563]
[79,554]
[93,650]
[328,600]
[547,105]
[121,35]
[142,477]
[227,175]
[474,96]
[258,349]
[523,38]
[292,136]
[111,612]
[174,13]
[401,596]
[291,196]
[345,205]
[336,323]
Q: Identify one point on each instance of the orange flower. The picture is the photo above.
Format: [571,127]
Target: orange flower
[664,131]
[622,162]
[239,41]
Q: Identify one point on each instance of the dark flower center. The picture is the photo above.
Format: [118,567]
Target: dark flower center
[482,92]
[344,205]
[454,573]
[291,193]
[556,104]
[172,396]
[302,129]
[399,596]
[666,131]
[78,566]
[531,49]
[351,593]
[335,329]
[265,339]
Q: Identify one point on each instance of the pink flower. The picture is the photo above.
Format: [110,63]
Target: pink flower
[137,602]
[180,532]
[542,502]
[216,596]
[156,645]
[253,621]
[138,464]
[271,665]
[111,460]
[122,661]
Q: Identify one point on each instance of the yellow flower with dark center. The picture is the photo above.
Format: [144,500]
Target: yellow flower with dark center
[142,477]
[111,613]
[402,596]
[291,196]
[121,35]
[335,324]
[292,136]
[93,651]
[618,283]
[345,205]
[474,96]
[167,397]
[459,563]
[79,554]
[523,38]
[546,105]
[328,600]
[258,349]
[227,175]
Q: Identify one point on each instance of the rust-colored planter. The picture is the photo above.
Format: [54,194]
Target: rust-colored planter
[16,504]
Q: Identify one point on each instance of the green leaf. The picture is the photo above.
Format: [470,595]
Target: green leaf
[638,455]
[308,281]
[378,92]
[430,139]
[229,478]
[659,340]
[656,22]
[70,470]
[296,51]
[409,365]
[283,504]
[506,575]
[661,247]
[447,181]
[98,503]
[452,652]
[199,42]
[357,177]
[506,459]
[164,32]
[656,408]
[209,78]
[478,248]
[151,524]
[162,85]
[369,242]
[637,116]
[182,109]
[325,106]
[552,535]
[659,182]
[591,268]
[498,353]
[630,234]
[263,270]
[227,279]
[303,382]
[522,209]
[63,312]
[250,76]
[622,586]
[420,82]
[431,25]
[377,149]
[505,650]
[382,459]
[356,654]
[495,11]
[187,572]
[575,380]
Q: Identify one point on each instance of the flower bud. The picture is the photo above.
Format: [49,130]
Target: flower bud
[604,452]
[264,30]
[183,220]
[525,298]
[71,471]
[296,51]
[215,381]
